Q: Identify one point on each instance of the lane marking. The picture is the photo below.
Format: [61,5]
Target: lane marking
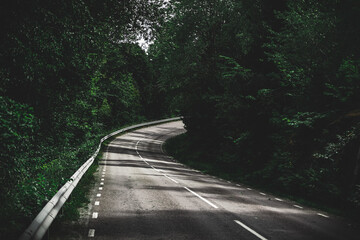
[155,169]
[97,203]
[248,188]
[250,230]
[323,215]
[100,188]
[228,181]
[103,175]
[102,179]
[98,195]
[208,202]
[278,199]
[297,206]
[91,233]
[95,215]
[170,178]
[136,148]
[262,193]
[238,185]
[101,183]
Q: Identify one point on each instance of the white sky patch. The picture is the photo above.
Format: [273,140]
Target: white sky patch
[144,44]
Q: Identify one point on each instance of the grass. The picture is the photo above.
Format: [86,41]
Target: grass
[183,150]
[66,225]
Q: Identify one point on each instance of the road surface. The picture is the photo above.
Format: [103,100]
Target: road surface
[143,194]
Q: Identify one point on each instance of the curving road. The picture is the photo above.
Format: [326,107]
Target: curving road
[143,194]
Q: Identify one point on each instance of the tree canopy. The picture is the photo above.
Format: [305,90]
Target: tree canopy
[271,90]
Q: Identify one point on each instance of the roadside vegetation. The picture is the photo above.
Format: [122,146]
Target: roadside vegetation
[269,91]
[69,75]
[183,149]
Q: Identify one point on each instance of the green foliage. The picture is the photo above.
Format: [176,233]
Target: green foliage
[303,119]
[270,89]
[69,75]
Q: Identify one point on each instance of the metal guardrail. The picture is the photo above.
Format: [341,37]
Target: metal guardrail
[43,220]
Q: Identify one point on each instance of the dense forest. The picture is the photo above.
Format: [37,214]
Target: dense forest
[269,90]
[70,73]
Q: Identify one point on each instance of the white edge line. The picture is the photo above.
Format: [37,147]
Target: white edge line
[323,215]
[170,178]
[250,230]
[91,233]
[208,202]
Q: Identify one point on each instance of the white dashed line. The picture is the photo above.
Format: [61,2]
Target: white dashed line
[248,188]
[262,193]
[102,179]
[297,206]
[101,183]
[98,195]
[95,215]
[136,148]
[208,202]
[323,215]
[250,230]
[91,233]
[170,178]
[100,188]
[97,203]
[278,199]
[238,185]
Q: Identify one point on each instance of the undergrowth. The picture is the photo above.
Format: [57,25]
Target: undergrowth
[185,150]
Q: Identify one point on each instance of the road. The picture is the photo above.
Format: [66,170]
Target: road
[143,194]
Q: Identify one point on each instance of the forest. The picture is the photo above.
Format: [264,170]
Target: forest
[269,91]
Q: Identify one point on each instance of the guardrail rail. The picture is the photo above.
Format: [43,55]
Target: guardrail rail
[43,220]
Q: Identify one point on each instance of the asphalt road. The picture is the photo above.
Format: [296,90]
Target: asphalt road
[143,194]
